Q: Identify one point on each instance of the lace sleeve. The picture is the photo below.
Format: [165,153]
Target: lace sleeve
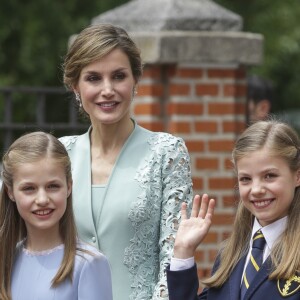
[177,187]
[67,141]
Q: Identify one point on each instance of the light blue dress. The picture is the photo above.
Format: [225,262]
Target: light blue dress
[34,271]
[133,219]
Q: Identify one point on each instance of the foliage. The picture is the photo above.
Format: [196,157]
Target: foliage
[278,21]
[34,36]
[34,39]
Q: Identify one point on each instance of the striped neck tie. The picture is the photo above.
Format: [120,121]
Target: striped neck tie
[255,261]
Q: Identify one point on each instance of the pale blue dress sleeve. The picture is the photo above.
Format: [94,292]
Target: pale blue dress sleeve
[95,279]
[33,273]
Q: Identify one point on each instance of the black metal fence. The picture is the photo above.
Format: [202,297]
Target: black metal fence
[26,109]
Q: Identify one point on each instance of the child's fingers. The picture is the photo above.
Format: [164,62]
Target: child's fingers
[210,209]
[204,205]
[183,211]
[196,206]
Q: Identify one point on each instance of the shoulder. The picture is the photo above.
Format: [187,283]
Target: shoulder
[67,141]
[87,252]
[168,145]
[166,138]
[162,140]
[90,261]
[92,270]
[72,141]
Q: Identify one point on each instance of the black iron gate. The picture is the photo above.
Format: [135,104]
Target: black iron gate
[26,109]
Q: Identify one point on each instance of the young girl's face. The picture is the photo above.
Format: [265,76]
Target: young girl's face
[266,185]
[40,190]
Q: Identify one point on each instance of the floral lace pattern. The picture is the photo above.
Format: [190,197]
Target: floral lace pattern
[68,140]
[165,179]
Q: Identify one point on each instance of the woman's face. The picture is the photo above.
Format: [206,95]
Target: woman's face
[266,185]
[106,88]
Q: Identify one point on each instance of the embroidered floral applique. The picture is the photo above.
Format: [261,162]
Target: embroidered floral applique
[165,179]
[67,141]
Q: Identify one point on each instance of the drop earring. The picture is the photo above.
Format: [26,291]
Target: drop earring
[134,92]
[77,97]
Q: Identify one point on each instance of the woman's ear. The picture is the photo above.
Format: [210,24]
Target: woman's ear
[75,88]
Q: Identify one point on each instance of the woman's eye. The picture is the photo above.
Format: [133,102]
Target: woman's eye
[119,76]
[93,78]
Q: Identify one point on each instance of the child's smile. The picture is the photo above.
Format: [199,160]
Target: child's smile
[40,190]
[266,185]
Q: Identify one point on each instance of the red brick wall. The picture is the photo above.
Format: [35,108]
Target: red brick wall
[205,105]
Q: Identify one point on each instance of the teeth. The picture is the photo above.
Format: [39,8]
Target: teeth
[262,203]
[43,212]
[108,104]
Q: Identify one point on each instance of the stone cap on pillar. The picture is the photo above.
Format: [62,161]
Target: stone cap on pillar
[189,31]
[170,15]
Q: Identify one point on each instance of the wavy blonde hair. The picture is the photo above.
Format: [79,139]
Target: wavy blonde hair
[281,141]
[94,42]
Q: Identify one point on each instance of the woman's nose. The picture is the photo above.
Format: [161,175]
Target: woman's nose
[107,88]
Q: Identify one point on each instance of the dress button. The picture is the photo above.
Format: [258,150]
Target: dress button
[94,239]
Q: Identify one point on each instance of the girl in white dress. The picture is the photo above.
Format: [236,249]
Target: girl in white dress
[40,254]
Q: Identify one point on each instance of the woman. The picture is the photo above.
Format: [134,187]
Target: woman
[129,182]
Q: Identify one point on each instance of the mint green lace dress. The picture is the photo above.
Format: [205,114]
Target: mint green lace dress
[133,218]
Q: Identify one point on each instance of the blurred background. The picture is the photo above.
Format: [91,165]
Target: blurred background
[34,37]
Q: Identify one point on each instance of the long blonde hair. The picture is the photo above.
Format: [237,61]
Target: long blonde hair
[282,141]
[28,149]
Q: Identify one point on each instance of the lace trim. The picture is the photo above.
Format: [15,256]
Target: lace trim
[68,140]
[43,252]
[165,179]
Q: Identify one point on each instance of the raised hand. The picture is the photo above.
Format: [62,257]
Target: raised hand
[193,230]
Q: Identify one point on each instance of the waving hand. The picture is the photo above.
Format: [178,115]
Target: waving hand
[193,230]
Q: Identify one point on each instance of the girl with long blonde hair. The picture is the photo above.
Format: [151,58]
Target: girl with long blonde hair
[40,254]
[266,158]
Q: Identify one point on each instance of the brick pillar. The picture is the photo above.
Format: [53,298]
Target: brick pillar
[194,86]
[205,105]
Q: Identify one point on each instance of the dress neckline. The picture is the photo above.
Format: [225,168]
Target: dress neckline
[43,252]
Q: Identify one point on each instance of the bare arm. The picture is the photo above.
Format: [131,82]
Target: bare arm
[193,230]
